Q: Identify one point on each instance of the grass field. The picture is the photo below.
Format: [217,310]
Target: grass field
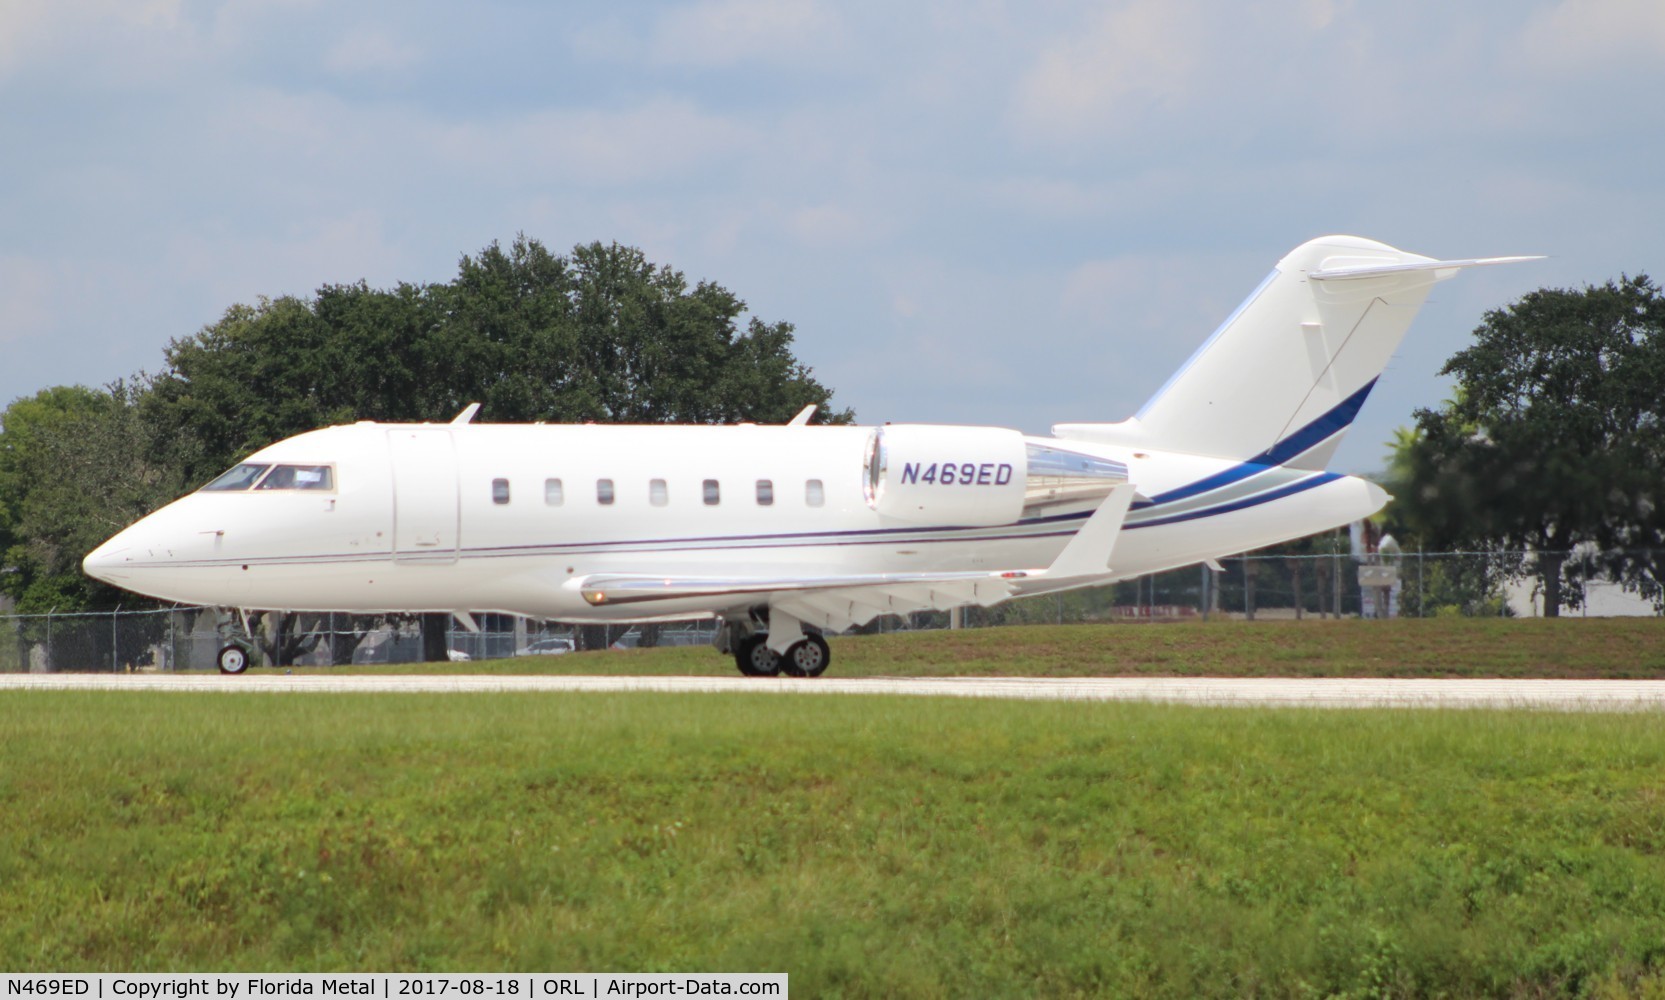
[873,846]
[1432,647]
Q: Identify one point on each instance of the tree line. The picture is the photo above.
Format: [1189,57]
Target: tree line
[1551,449]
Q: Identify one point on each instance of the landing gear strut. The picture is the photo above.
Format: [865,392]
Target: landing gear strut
[748,640]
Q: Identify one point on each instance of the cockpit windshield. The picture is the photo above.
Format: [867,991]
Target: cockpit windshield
[252,475]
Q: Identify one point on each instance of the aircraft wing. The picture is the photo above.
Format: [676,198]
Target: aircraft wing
[831,602]
[838,602]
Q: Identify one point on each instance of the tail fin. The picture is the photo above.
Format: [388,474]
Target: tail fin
[1283,377]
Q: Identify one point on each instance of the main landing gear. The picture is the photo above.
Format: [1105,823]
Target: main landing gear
[808,657]
[748,640]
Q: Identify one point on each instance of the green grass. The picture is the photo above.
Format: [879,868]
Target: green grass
[1432,647]
[873,846]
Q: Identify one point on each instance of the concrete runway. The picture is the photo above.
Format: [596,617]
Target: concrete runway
[1552,695]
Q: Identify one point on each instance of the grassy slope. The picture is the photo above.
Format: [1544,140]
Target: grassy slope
[911,847]
[1435,647]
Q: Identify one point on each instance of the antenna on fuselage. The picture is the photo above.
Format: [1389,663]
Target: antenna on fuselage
[467,414]
[802,419]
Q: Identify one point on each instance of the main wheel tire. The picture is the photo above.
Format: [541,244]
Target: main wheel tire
[755,658]
[808,657]
[233,659]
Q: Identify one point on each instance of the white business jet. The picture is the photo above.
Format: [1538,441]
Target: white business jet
[784,532]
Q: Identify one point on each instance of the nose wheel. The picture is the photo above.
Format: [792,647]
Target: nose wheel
[233,659]
[808,657]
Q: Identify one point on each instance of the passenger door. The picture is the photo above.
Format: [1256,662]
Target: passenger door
[425,518]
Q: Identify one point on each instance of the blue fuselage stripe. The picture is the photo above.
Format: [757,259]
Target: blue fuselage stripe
[1319,479]
[1337,419]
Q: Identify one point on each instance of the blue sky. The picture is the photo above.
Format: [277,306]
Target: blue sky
[973,212]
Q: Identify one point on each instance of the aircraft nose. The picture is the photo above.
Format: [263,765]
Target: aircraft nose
[106,562]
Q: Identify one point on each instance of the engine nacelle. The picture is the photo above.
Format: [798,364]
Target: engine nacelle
[979,476]
[946,475]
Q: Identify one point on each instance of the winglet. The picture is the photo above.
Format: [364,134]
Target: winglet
[1088,553]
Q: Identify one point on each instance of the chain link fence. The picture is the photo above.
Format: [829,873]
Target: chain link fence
[1336,585]
[1255,587]
[190,638]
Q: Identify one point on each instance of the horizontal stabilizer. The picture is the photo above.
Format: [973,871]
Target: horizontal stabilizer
[1346,271]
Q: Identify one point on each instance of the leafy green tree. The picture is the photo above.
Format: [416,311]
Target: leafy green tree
[605,335]
[1552,440]
[275,369]
[602,335]
[73,471]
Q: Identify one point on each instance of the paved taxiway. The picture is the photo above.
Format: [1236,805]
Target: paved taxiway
[1559,695]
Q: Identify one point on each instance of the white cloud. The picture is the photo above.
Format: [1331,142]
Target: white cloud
[320,146]
[313,251]
[827,226]
[1141,314]
[29,290]
[251,22]
[1137,55]
[661,139]
[22,23]
[729,32]
[1595,35]
[1320,13]
[370,51]
[34,33]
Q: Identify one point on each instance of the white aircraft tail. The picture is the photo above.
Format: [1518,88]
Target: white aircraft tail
[1283,377]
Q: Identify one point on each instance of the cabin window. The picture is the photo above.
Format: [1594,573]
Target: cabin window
[713,495]
[240,478]
[658,495]
[604,492]
[298,477]
[499,491]
[765,493]
[814,494]
[552,493]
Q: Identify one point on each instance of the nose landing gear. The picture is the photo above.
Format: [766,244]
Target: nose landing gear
[233,659]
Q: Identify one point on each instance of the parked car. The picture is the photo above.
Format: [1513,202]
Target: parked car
[552,646]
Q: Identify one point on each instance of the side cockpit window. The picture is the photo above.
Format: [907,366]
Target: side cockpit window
[240,478]
[258,476]
[298,477]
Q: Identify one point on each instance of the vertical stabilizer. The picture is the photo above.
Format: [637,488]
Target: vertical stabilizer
[1283,377]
